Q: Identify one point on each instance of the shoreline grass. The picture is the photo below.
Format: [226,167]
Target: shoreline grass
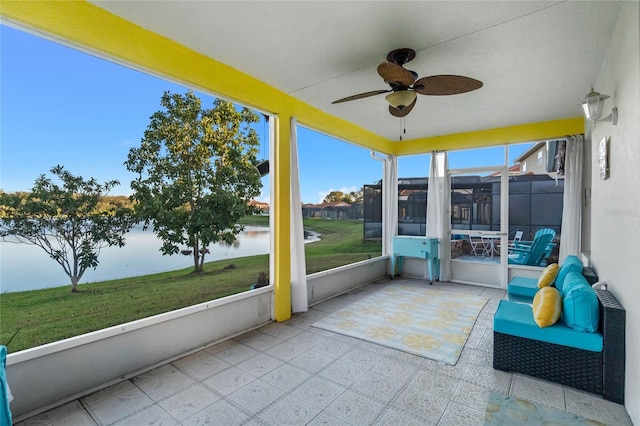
[48,315]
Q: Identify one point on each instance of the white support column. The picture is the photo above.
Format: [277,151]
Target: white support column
[389,200]
[299,299]
[389,204]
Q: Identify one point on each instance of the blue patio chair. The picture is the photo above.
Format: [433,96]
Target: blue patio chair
[517,238]
[521,243]
[5,393]
[524,244]
[533,254]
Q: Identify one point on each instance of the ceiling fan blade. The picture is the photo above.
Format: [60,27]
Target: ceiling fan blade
[360,96]
[440,85]
[404,111]
[395,75]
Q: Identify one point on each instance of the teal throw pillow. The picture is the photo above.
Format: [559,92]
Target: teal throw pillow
[580,308]
[570,264]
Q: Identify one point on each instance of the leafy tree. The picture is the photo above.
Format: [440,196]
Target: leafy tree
[197,172]
[67,221]
[357,195]
[337,196]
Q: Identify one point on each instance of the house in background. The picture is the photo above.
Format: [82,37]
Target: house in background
[541,158]
[337,210]
[263,208]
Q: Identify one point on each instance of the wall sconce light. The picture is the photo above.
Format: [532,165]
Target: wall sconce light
[592,105]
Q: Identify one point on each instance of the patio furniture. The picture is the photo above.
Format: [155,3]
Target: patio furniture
[475,245]
[518,236]
[523,289]
[521,346]
[512,243]
[422,247]
[516,239]
[523,244]
[490,246]
[5,392]
[533,254]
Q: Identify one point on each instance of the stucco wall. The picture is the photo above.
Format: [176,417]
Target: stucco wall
[47,376]
[615,215]
[327,284]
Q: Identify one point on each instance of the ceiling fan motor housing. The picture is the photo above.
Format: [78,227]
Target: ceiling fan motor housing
[401,56]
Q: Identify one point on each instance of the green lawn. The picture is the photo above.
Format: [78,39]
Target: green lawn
[48,315]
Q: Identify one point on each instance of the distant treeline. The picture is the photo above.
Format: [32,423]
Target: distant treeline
[104,203]
[119,200]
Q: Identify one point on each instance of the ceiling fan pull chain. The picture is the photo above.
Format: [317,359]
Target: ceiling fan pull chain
[403,129]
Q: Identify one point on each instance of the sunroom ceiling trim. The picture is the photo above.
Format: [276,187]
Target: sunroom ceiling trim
[84,26]
[491,137]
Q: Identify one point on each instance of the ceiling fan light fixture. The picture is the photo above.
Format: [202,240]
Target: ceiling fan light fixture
[401,98]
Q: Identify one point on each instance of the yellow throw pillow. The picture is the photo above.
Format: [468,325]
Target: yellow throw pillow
[547,306]
[548,275]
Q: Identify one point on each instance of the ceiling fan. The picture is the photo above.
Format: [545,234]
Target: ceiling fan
[404,84]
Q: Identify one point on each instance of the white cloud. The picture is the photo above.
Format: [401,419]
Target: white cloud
[321,195]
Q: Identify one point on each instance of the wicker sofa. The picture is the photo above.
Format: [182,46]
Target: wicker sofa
[600,372]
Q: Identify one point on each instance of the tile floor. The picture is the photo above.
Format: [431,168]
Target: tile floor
[294,374]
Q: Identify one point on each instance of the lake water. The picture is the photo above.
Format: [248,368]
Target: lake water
[28,267]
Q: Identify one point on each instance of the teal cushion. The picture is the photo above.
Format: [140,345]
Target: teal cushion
[580,309]
[522,286]
[519,299]
[570,264]
[516,319]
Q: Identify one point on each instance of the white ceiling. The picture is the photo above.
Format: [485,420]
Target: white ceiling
[537,60]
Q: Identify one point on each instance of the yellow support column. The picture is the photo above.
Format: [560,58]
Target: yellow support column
[282,222]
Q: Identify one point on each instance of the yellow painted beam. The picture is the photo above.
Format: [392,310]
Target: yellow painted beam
[341,129]
[93,29]
[82,24]
[282,222]
[491,137]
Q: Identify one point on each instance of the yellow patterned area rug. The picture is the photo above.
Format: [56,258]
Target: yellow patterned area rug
[411,318]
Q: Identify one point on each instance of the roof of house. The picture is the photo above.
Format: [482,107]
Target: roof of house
[335,204]
[259,204]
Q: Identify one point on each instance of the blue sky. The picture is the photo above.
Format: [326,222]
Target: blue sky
[62,106]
